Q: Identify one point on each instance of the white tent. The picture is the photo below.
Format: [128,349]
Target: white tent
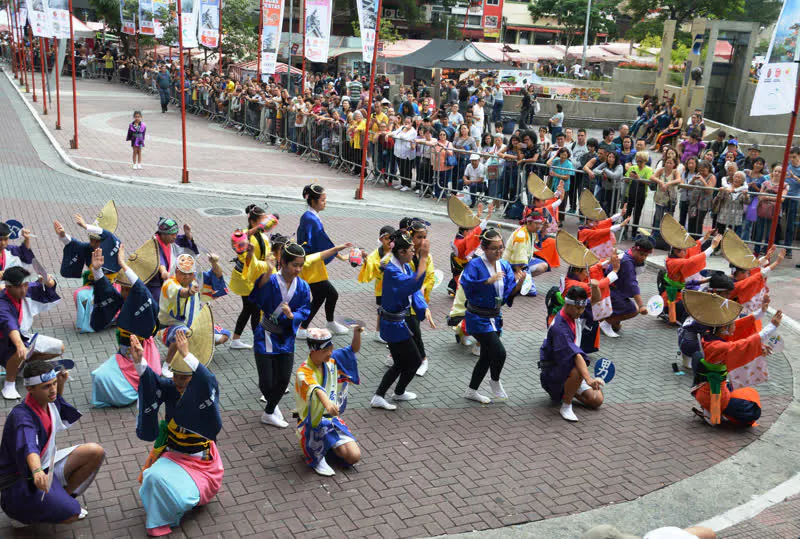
[79,28]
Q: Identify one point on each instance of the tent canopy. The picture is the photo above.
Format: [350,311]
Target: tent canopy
[442,53]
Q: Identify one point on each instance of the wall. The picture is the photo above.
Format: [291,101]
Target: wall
[636,82]
[768,124]
[772,144]
[588,114]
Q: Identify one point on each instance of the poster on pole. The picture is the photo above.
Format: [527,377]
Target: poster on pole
[146,24]
[208,33]
[127,17]
[189,15]
[59,18]
[272,18]
[318,30]
[367,21]
[777,82]
[161,10]
[39,17]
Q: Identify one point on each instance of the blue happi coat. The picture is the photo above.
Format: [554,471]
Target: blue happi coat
[269,297]
[486,296]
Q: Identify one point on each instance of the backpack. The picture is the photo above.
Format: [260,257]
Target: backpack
[514,211]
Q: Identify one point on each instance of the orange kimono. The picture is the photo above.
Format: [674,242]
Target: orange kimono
[548,251]
[749,292]
[599,239]
[681,270]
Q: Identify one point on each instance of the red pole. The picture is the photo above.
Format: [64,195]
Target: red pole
[784,165]
[372,68]
[33,67]
[260,37]
[220,38]
[57,67]
[42,56]
[185,175]
[74,141]
[302,80]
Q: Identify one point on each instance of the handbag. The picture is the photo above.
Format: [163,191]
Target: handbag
[451,160]
[765,208]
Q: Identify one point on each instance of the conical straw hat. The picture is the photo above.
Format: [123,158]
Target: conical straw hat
[710,309]
[201,342]
[107,218]
[538,189]
[590,207]
[144,263]
[573,252]
[460,213]
[674,234]
[736,251]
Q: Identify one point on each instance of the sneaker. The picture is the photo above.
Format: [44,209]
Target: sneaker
[237,344]
[404,189]
[380,402]
[324,469]
[278,413]
[263,399]
[567,413]
[473,395]
[378,338]
[301,334]
[134,166]
[84,513]
[416,191]
[423,368]
[607,330]
[497,389]
[166,372]
[398,186]
[468,341]
[16,524]
[337,329]
[10,393]
[476,350]
[274,420]
[407,396]
[389,361]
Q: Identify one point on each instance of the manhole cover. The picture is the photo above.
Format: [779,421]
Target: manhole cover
[220,212]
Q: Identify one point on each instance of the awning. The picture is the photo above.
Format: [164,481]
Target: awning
[252,68]
[447,54]
[80,30]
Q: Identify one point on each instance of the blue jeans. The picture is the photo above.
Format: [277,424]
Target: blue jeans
[163,94]
[497,111]
[763,227]
[442,177]
[791,217]
[747,230]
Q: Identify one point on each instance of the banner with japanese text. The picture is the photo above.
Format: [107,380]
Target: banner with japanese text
[127,17]
[492,18]
[39,17]
[318,30]
[778,80]
[58,10]
[272,21]
[367,21]
[146,19]
[208,32]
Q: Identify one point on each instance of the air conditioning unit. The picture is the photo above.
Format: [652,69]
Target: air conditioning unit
[390,13]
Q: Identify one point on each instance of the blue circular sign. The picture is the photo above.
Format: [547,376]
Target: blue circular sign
[16,228]
[604,369]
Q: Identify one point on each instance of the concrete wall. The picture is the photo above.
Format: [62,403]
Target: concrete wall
[772,144]
[637,82]
[587,114]
[768,124]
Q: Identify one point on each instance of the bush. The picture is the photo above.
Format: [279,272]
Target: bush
[637,65]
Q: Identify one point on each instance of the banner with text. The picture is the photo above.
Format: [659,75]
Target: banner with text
[146,20]
[162,11]
[318,30]
[39,18]
[58,11]
[492,17]
[272,21]
[367,21]
[127,17]
[208,33]
[189,15]
[777,82]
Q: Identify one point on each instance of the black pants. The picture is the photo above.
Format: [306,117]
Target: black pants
[407,360]
[493,356]
[274,372]
[405,171]
[250,311]
[696,223]
[635,205]
[413,324]
[322,292]
[683,208]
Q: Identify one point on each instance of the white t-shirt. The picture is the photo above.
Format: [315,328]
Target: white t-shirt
[472,173]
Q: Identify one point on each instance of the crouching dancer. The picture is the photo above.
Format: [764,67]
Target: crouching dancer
[40,482]
[564,366]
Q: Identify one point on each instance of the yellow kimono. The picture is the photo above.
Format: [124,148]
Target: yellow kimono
[371,270]
[430,279]
[520,247]
[239,285]
[256,268]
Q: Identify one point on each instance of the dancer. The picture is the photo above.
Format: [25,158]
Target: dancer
[182,299]
[418,229]
[489,283]
[467,238]
[41,482]
[524,242]
[321,396]
[372,269]
[170,246]
[258,224]
[563,362]
[20,302]
[748,272]
[136,133]
[597,234]
[547,202]
[626,298]
[691,330]
[116,381]
[718,357]
[184,469]
[14,255]
[402,291]
[312,237]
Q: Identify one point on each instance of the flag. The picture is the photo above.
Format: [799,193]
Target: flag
[318,30]
[208,32]
[38,13]
[367,20]
[59,18]
[146,19]
[189,15]
[272,21]
[778,79]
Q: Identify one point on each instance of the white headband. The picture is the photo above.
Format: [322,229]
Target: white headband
[40,379]
[577,302]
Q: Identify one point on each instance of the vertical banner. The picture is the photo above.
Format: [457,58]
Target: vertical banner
[492,18]
[190,10]
[39,17]
[272,21]
[318,30]
[59,18]
[776,84]
[161,11]
[127,18]
[367,21]
[146,19]
[208,33]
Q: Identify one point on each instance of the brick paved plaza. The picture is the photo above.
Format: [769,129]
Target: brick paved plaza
[438,465]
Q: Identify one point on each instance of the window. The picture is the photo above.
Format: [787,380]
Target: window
[492,2]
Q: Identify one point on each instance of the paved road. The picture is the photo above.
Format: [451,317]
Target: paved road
[438,465]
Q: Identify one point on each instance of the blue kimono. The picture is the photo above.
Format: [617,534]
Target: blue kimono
[626,286]
[24,434]
[486,296]
[178,247]
[106,303]
[312,236]
[402,290]
[39,299]
[276,333]
[557,355]
[78,254]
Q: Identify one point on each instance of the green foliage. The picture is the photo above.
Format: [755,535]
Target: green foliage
[764,12]
[387,32]
[650,41]
[682,11]
[108,10]
[571,15]
[169,23]
[239,30]
[679,54]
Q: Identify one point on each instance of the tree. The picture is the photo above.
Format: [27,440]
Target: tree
[571,16]
[683,11]
[387,32]
[764,12]
[108,10]
[239,30]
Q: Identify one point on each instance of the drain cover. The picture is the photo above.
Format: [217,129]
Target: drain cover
[220,212]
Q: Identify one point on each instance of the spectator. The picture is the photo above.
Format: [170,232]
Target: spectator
[624,131]
[673,130]
[499,98]
[765,210]
[455,117]
[442,164]
[700,197]
[666,180]
[561,169]
[557,121]
[719,145]
[731,202]
[692,147]
[608,141]
[475,177]
[609,173]
[792,181]
[690,170]
[638,178]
